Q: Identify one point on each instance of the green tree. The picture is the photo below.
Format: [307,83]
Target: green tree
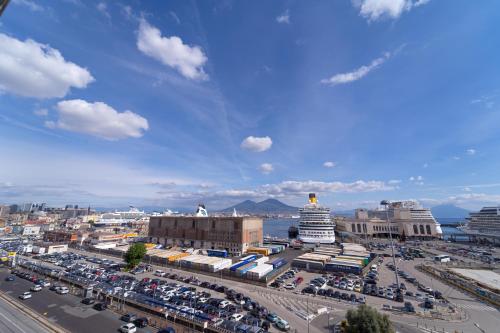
[365,319]
[135,253]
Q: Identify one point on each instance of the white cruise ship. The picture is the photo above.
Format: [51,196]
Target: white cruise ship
[120,218]
[315,224]
[486,222]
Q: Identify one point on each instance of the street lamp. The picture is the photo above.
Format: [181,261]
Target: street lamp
[386,204]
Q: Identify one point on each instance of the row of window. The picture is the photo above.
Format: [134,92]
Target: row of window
[421,227]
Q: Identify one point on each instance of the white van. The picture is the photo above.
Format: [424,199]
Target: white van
[373,268]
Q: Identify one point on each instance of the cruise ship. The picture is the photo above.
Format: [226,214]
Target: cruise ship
[120,218]
[315,224]
[486,222]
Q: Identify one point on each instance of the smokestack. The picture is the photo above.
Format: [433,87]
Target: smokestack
[312,198]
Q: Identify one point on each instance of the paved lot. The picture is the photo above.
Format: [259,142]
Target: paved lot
[288,304]
[65,310]
[14,321]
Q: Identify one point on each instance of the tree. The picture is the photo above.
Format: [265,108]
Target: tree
[365,319]
[135,254]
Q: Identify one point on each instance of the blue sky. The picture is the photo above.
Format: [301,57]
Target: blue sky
[173,103]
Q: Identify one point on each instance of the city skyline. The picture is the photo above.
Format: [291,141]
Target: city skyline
[171,104]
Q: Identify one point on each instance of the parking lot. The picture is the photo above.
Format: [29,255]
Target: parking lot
[63,309]
[183,294]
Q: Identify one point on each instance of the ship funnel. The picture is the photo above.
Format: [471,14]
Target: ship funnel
[201,211]
[312,198]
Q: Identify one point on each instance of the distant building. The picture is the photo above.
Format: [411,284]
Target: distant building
[60,236]
[406,219]
[4,210]
[31,230]
[234,234]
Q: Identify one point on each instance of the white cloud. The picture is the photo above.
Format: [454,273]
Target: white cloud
[467,189]
[257,144]
[98,119]
[425,166]
[41,112]
[394,181]
[456,158]
[302,187]
[418,180]
[284,18]
[172,52]
[471,151]
[329,164]
[31,69]
[266,168]
[31,5]
[103,8]
[374,10]
[357,74]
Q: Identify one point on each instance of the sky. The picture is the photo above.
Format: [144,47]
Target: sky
[172,103]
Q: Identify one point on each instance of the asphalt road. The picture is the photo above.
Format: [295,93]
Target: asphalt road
[14,321]
[65,310]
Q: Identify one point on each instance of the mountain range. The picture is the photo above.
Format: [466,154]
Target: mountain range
[449,211]
[269,206]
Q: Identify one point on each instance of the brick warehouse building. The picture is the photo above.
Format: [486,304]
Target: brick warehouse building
[234,234]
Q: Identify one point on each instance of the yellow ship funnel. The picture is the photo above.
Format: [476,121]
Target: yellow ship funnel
[312,198]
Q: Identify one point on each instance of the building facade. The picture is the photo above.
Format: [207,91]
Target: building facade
[406,219]
[234,234]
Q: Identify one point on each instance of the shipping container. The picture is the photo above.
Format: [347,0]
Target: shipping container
[259,250]
[261,260]
[258,272]
[278,262]
[249,257]
[308,265]
[217,253]
[335,266]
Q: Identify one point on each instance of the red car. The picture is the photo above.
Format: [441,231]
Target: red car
[298,280]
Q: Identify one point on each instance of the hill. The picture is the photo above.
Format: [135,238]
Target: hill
[449,211]
[269,206]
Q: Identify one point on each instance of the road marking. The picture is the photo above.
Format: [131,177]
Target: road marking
[13,323]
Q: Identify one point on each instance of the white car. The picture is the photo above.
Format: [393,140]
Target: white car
[25,295]
[36,287]
[45,284]
[350,287]
[62,291]
[236,317]
[289,286]
[223,304]
[159,273]
[430,298]
[128,328]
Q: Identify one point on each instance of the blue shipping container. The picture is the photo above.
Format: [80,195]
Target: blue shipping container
[278,262]
[217,253]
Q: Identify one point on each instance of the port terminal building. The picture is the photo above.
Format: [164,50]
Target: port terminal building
[402,219]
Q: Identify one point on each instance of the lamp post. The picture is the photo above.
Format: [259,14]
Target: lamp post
[386,203]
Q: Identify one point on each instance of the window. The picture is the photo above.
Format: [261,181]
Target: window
[353,227]
[194,224]
[422,229]
[428,227]
[415,229]
[359,227]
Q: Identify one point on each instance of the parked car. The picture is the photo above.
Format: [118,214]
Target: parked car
[100,306]
[141,322]
[282,325]
[36,287]
[25,295]
[10,278]
[128,328]
[128,317]
[88,301]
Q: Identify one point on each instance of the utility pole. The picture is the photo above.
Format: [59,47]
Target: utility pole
[386,204]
